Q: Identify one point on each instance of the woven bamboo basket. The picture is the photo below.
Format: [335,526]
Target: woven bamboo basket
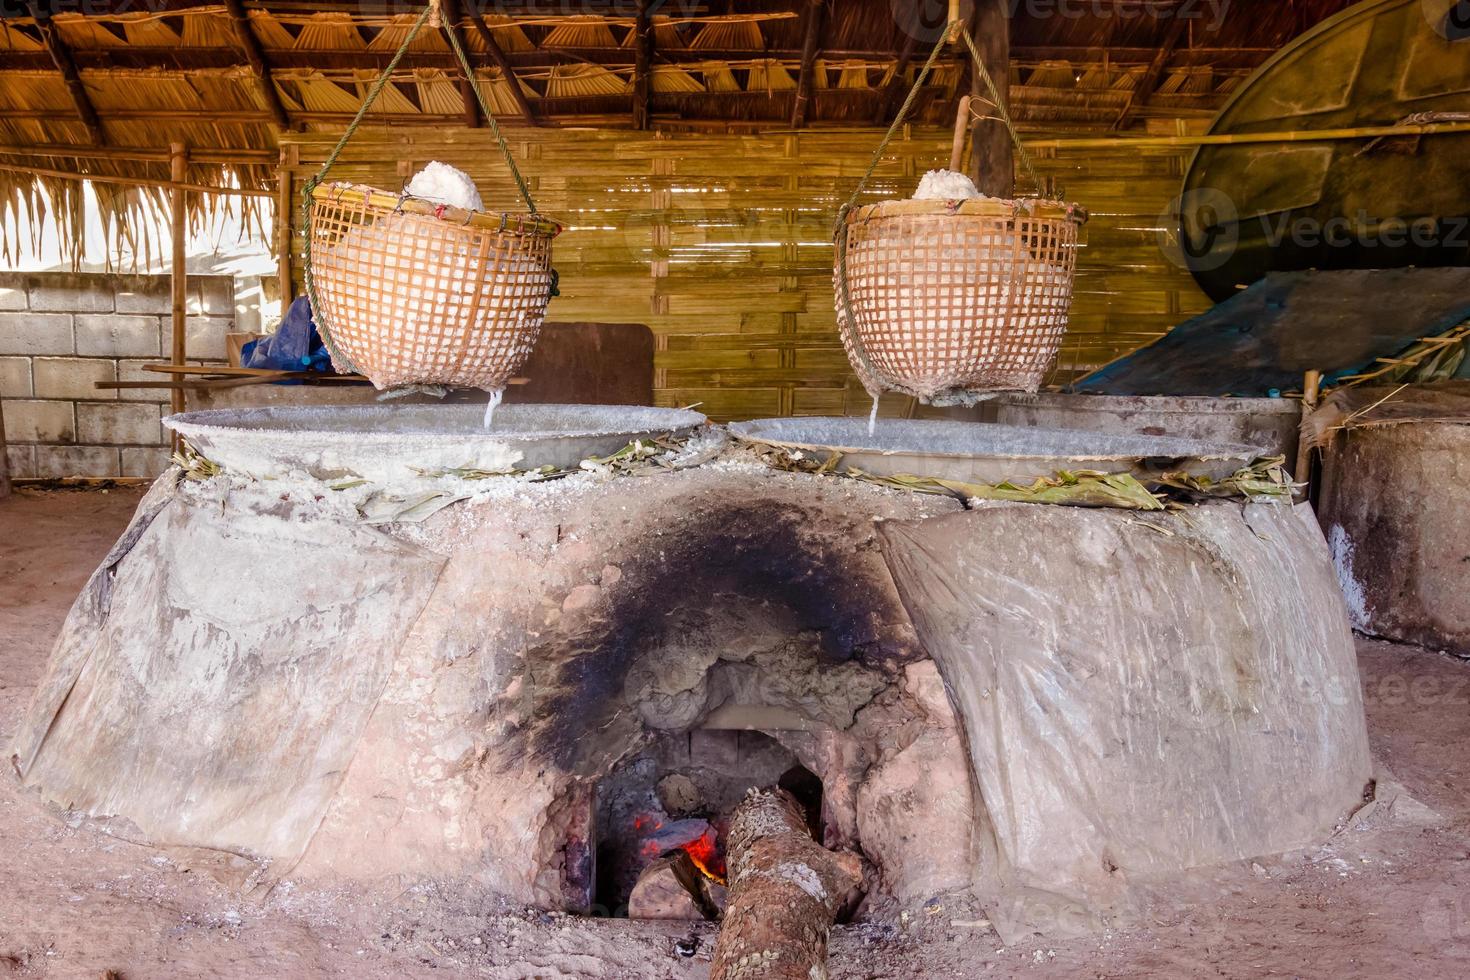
[954,298]
[411,292]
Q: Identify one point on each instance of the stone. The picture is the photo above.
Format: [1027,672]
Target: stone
[718,749]
[36,333]
[75,292]
[146,464]
[12,297]
[927,783]
[143,294]
[73,378]
[61,462]
[206,337]
[22,460]
[117,424]
[132,370]
[580,598]
[15,377]
[212,295]
[39,421]
[115,335]
[678,795]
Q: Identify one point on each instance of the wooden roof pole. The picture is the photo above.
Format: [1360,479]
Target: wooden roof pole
[178,166]
[642,68]
[487,37]
[816,16]
[892,93]
[992,160]
[61,57]
[255,56]
[453,19]
[1152,73]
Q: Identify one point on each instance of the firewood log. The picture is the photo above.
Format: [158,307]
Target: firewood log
[785,890]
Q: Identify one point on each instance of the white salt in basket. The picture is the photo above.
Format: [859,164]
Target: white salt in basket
[941,299]
[413,292]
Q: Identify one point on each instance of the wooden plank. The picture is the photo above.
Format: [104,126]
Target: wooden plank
[643,58]
[497,54]
[816,19]
[265,86]
[178,275]
[453,27]
[61,57]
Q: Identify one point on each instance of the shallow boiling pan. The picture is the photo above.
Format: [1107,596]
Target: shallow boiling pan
[976,452]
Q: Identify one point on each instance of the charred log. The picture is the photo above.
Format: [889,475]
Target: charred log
[785,891]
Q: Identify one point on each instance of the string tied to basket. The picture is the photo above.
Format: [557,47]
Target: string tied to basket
[431,14]
[955,29]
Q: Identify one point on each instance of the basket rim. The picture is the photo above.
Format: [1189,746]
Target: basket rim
[984,207]
[521,221]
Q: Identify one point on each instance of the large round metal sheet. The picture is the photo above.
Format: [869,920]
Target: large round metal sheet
[393,443]
[976,452]
[1252,208]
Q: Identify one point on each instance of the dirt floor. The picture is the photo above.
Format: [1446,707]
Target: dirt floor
[1388,896]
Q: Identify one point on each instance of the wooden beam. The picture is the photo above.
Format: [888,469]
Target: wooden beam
[453,25]
[259,70]
[224,155]
[1152,73]
[178,166]
[142,58]
[811,46]
[992,165]
[132,181]
[62,59]
[487,37]
[893,92]
[642,67]
[285,216]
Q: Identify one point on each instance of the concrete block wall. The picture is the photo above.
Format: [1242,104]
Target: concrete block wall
[60,332]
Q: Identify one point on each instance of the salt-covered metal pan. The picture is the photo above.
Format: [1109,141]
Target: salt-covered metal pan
[395,443]
[975,452]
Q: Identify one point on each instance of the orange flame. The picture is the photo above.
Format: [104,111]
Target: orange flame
[706,856]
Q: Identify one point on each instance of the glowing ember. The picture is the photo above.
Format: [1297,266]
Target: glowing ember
[694,837]
[706,856]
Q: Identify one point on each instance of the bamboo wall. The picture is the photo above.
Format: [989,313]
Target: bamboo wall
[722,244]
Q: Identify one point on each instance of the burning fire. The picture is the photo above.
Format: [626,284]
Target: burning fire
[703,850]
[706,856]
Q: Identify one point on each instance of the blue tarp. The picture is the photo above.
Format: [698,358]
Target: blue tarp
[295,346]
[1267,337]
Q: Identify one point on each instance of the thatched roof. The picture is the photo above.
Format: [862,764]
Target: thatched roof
[105,92]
